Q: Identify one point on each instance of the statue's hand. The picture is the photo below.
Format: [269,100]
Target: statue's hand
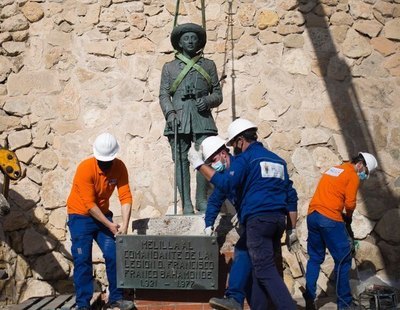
[201,105]
[171,119]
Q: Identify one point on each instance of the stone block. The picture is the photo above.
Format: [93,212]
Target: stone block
[36,82]
[32,11]
[15,23]
[392,29]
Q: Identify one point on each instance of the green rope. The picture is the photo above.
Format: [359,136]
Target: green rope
[203,13]
[176,12]
[190,63]
[184,72]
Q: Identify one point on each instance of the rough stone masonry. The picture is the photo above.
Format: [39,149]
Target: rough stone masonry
[320,78]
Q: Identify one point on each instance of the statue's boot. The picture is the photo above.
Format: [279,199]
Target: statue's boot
[201,192]
[183,182]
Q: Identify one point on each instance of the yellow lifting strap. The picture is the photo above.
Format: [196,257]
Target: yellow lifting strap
[203,13]
[190,63]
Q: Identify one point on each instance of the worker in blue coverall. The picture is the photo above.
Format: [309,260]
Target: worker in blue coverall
[240,286]
[217,155]
[264,193]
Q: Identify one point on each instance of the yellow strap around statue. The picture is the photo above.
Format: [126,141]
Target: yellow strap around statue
[190,63]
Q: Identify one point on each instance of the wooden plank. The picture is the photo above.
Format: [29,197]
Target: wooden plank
[26,304]
[69,304]
[41,303]
[61,302]
[57,302]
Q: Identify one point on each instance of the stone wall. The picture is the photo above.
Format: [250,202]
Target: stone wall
[320,78]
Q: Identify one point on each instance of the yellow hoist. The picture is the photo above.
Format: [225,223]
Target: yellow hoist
[10,167]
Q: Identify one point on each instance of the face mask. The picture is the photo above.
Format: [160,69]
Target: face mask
[218,166]
[362,175]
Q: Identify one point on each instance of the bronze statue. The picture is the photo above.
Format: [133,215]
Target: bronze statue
[189,89]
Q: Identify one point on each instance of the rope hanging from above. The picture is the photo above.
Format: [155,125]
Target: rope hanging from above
[190,63]
[203,13]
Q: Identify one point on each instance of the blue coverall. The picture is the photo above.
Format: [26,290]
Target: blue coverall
[239,282]
[264,194]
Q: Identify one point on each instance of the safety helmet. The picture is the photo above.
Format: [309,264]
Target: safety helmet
[237,127]
[210,145]
[370,160]
[105,147]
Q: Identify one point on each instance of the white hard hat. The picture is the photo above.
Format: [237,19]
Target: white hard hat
[105,147]
[238,126]
[370,160]
[210,145]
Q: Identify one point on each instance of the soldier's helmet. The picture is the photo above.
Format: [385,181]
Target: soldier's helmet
[179,30]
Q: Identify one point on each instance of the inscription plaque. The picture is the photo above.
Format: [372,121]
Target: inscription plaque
[167,262]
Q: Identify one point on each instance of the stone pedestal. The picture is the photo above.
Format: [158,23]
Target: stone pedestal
[188,226]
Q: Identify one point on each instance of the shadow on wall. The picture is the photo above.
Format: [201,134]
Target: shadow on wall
[35,260]
[348,110]
[355,129]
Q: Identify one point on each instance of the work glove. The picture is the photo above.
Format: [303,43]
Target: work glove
[209,231]
[201,105]
[354,244]
[171,119]
[195,158]
[291,238]
[347,221]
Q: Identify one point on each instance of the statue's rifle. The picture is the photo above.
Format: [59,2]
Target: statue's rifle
[175,166]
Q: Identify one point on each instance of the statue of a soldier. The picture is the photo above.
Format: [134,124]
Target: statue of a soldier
[189,89]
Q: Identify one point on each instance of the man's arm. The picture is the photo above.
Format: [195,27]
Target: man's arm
[214,204]
[126,215]
[98,215]
[350,195]
[206,171]
[291,220]
[291,201]
[125,198]
[227,182]
[291,208]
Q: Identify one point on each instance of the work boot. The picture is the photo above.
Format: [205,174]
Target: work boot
[122,305]
[225,304]
[201,192]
